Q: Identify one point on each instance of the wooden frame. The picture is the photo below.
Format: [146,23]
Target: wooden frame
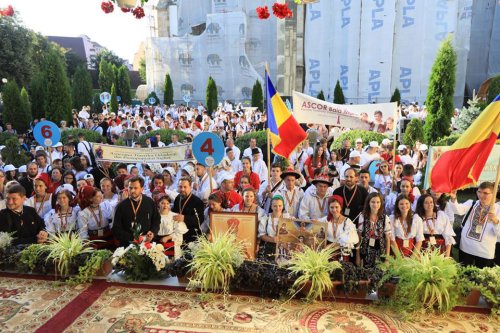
[220,222]
[294,234]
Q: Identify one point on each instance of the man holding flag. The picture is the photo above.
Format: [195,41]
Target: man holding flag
[461,167]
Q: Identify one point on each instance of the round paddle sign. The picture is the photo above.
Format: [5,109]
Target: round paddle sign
[208,149]
[47,133]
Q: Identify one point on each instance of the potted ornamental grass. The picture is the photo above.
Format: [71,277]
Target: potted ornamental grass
[214,263]
[426,282]
[313,269]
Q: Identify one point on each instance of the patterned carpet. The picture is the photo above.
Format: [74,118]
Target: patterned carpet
[28,305]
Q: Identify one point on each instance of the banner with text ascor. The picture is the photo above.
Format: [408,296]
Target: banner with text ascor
[112,153]
[373,117]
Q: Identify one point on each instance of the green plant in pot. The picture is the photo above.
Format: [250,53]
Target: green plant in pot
[427,282]
[486,280]
[63,248]
[215,262]
[313,269]
[29,257]
[93,263]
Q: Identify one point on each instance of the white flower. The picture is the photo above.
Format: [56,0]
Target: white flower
[5,240]
[119,253]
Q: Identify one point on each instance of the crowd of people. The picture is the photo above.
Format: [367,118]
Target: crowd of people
[64,189]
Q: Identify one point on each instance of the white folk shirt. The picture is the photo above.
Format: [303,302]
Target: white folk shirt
[174,229]
[263,187]
[441,226]
[292,200]
[203,190]
[248,152]
[269,226]
[312,207]
[344,234]
[260,168]
[383,183]
[480,243]
[87,221]
[417,229]
[390,202]
[56,222]
[236,165]
[41,208]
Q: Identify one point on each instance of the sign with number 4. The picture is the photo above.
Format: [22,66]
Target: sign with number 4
[208,149]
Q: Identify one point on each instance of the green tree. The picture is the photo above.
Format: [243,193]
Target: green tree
[15,51]
[12,154]
[168,91]
[338,94]
[123,87]
[12,103]
[96,103]
[38,93]
[321,95]
[396,96]
[58,98]
[142,70]
[23,118]
[82,88]
[73,62]
[440,94]
[494,88]
[106,76]
[113,104]
[469,114]
[414,132]
[211,95]
[108,56]
[257,96]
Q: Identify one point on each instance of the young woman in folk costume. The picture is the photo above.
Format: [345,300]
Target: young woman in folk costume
[248,204]
[170,232]
[340,230]
[268,229]
[41,200]
[95,217]
[246,163]
[108,191]
[317,161]
[374,229]
[214,205]
[438,231]
[64,217]
[408,231]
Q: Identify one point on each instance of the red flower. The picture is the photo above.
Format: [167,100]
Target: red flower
[263,12]
[147,245]
[138,240]
[138,12]
[281,11]
[107,7]
[125,10]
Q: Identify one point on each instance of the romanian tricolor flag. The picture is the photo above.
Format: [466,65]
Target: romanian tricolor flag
[285,132]
[462,165]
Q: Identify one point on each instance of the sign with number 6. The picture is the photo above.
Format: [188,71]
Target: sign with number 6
[47,133]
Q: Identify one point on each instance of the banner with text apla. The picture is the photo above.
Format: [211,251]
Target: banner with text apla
[373,117]
[489,172]
[142,155]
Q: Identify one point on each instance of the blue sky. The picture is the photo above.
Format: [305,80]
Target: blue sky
[122,33]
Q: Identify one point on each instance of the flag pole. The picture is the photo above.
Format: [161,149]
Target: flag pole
[495,188]
[394,146]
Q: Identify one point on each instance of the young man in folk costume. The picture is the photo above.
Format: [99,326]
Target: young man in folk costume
[292,193]
[270,187]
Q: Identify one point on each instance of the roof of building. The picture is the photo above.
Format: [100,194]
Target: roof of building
[73,43]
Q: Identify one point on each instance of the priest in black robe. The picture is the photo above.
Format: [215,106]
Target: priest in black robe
[189,209]
[27,226]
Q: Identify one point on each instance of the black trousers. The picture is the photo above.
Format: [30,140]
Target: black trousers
[467,259]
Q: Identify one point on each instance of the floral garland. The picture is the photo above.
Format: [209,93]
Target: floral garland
[138,12]
[280,10]
[9,11]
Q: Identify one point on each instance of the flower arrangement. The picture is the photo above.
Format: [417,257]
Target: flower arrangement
[5,240]
[126,6]
[8,11]
[141,260]
[280,10]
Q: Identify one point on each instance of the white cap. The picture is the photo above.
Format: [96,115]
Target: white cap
[59,144]
[170,170]
[22,168]
[401,147]
[386,142]
[354,154]
[373,144]
[226,176]
[67,187]
[423,147]
[39,148]
[359,140]
[9,167]
[2,147]
[88,176]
